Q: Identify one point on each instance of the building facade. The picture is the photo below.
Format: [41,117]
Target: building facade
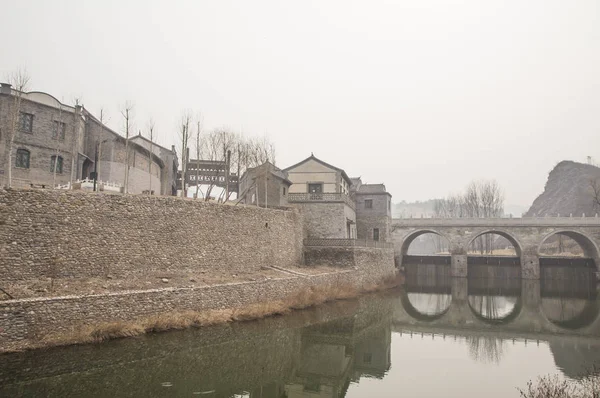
[322,191]
[56,145]
[336,206]
[373,211]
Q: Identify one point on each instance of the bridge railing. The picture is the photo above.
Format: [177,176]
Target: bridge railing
[498,221]
[334,242]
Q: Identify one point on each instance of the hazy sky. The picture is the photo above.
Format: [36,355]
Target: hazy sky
[422,95]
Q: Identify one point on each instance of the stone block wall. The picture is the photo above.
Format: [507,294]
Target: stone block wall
[325,220]
[377,262]
[25,322]
[379,216]
[70,234]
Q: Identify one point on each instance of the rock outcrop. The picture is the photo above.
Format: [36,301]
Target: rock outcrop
[567,191]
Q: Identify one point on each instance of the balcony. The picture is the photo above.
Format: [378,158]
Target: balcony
[320,198]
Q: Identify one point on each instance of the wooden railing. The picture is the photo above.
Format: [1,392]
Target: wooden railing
[331,242]
[320,197]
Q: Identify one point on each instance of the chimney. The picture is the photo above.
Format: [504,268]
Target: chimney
[5,88]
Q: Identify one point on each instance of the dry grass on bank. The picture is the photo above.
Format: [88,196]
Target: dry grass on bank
[588,386]
[302,299]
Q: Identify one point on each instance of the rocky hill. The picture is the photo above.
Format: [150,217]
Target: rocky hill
[567,191]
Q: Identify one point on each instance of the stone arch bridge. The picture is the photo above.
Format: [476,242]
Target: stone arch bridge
[526,235]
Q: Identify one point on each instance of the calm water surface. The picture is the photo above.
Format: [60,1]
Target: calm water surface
[436,337]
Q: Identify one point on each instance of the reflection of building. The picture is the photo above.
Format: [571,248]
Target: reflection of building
[575,360]
[338,352]
[50,133]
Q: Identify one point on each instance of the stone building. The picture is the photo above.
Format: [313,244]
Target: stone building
[322,191]
[373,211]
[336,206]
[265,186]
[50,133]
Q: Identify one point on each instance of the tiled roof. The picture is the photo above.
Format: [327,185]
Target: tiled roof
[372,188]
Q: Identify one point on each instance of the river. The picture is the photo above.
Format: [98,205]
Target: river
[436,336]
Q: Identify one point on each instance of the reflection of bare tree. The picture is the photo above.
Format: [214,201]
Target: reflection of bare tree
[493,307]
[486,349]
[430,304]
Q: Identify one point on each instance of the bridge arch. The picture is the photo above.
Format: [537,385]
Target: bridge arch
[510,237]
[587,244]
[408,239]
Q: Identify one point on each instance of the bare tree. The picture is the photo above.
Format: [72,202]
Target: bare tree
[59,126]
[215,147]
[75,147]
[595,188]
[19,80]
[151,126]
[480,199]
[184,136]
[99,145]
[127,112]
[198,150]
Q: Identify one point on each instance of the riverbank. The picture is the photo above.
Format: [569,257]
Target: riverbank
[52,321]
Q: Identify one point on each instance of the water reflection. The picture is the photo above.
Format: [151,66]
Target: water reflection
[429,305]
[451,327]
[486,349]
[493,308]
[302,355]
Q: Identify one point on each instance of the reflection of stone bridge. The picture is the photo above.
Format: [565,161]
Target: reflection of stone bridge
[519,308]
[525,234]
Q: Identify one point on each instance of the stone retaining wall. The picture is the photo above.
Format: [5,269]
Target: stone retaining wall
[25,322]
[373,260]
[66,234]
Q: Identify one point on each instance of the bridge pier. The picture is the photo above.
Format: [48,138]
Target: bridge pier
[531,294]
[458,265]
[530,267]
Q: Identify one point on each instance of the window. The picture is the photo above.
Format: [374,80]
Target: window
[283,191]
[375,233]
[26,122]
[59,164]
[22,158]
[58,132]
[368,203]
[390,205]
[367,358]
[315,188]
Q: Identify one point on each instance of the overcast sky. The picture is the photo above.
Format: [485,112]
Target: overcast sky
[422,95]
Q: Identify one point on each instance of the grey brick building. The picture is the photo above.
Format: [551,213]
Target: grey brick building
[336,206]
[50,133]
[265,186]
[322,191]
[373,211]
